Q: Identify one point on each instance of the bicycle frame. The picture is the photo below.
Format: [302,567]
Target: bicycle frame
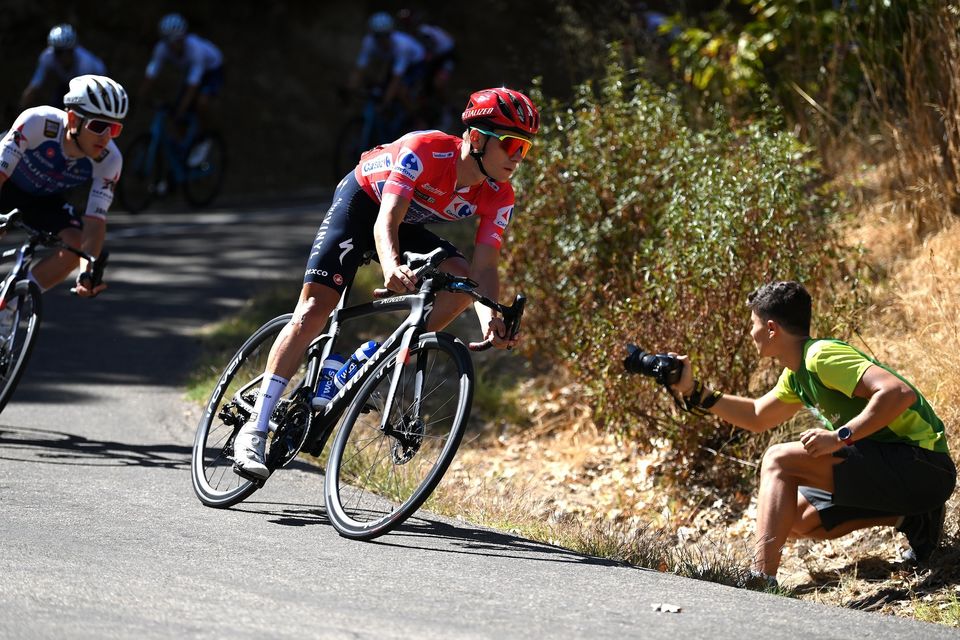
[173,151]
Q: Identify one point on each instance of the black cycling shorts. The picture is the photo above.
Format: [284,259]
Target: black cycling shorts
[346,235]
[48,213]
[878,479]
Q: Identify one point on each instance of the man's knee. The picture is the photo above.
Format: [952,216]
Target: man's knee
[776,459]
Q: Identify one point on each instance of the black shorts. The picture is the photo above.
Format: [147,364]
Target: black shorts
[48,213]
[879,479]
[346,236]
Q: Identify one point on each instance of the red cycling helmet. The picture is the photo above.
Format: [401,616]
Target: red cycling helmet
[504,109]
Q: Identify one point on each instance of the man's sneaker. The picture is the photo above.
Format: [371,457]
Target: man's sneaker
[923,532]
[248,451]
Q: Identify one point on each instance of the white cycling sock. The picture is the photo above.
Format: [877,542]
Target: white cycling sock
[270,389]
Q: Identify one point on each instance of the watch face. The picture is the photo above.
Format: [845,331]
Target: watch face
[844,433]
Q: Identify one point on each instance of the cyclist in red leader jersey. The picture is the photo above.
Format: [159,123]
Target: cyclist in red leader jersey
[425,176]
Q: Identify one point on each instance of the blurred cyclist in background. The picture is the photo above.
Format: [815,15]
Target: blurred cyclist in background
[199,59]
[439,62]
[401,52]
[49,151]
[62,60]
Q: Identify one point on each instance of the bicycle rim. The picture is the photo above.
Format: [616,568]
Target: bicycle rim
[376,479]
[16,346]
[214,481]
[205,178]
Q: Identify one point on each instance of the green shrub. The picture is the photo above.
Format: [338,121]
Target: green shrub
[634,226]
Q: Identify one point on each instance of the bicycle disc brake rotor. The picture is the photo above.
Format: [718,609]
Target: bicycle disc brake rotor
[291,432]
[408,441]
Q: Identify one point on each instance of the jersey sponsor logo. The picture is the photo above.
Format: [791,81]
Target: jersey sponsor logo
[316,272]
[460,208]
[337,279]
[396,183]
[493,185]
[347,246]
[408,164]
[103,156]
[4,164]
[426,186]
[51,128]
[382,162]
[109,184]
[503,217]
[440,155]
[420,195]
[50,152]
[477,113]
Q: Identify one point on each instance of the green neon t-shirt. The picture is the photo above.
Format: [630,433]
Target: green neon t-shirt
[831,371]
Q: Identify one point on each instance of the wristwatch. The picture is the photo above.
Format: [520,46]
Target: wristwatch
[845,435]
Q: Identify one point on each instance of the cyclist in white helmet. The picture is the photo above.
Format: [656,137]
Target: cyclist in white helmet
[49,151]
[200,61]
[400,52]
[62,60]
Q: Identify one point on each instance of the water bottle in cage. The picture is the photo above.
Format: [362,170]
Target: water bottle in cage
[355,361]
[327,387]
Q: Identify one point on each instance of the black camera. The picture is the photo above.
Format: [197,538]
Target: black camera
[661,367]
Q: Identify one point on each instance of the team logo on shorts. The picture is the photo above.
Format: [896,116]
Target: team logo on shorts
[408,164]
[337,279]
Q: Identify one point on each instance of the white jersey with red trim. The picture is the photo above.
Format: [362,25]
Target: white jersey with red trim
[32,158]
[422,167]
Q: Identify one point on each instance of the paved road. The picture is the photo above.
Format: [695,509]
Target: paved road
[102,536]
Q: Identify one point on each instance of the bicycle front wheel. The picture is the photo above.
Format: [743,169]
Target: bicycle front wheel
[379,474]
[18,337]
[206,165]
[228,409]
[142,172]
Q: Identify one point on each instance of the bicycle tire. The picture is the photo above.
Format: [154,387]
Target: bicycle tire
[204,181]
[374,480]
[138,184]
[15,351]
[211,468]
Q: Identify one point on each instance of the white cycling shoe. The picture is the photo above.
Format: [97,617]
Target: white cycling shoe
[248,453]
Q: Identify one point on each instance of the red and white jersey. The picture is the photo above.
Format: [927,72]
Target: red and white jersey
[422,167]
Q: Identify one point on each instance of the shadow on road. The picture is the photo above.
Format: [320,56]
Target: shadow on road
[24,444]
[482,542]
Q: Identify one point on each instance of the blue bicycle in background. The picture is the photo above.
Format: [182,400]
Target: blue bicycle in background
[159,161]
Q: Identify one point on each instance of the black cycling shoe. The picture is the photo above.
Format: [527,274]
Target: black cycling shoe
[924,532]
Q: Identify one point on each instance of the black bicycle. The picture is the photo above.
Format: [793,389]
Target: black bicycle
[404,412]
[18,331]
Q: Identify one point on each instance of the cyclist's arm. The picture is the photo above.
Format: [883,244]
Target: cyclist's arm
[188,95]
[94,231]
[484,271]
[396,276]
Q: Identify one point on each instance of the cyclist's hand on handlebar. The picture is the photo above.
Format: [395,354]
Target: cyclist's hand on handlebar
[496,332]
[399,278]
[84,287]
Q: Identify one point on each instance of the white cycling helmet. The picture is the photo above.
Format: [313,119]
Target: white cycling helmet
[97,96]
[380,22]
[62,36]
[172,26]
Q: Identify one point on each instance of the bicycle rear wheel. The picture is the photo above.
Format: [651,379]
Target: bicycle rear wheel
[141,174]
[206,165]
[16,346]
[377,478]
[231,401]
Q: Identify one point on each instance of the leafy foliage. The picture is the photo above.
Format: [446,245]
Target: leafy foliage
[638,227]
